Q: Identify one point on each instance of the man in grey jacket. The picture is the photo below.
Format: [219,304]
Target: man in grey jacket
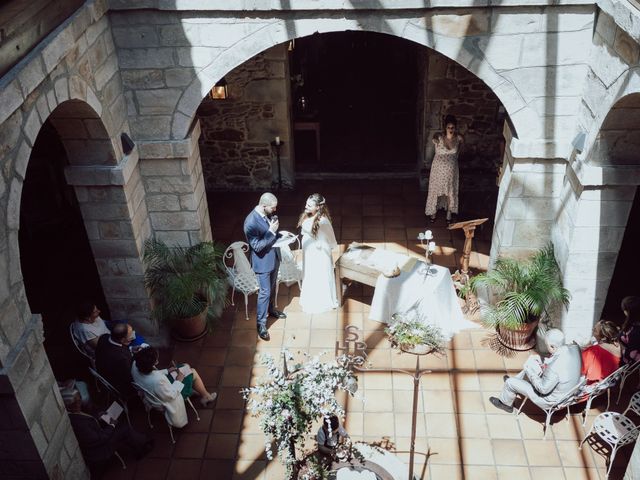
[544,382]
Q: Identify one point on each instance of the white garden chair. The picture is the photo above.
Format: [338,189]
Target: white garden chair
[615,429]
[631,368]
[290,270]
[605,385]
[239,272]
[573,397]
[634,404]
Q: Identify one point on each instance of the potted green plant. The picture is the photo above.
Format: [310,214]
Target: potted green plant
[188,286]
[524,293]
[411,334]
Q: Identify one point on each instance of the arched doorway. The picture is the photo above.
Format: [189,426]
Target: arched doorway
[57,263]
[616,147]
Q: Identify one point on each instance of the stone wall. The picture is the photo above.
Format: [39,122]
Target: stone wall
[235,145]
[453,90]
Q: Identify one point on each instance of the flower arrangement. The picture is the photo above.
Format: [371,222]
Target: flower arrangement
[288,403]
[431,245]
[409,332]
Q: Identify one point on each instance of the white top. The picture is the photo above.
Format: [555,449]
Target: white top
[168,393]
[88,331]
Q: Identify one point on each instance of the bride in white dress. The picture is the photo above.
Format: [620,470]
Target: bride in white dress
[318,240]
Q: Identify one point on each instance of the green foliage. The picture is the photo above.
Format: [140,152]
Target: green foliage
[408,332]
[183,281]
[525,290]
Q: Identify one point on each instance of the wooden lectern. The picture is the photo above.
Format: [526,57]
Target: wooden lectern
[462,277]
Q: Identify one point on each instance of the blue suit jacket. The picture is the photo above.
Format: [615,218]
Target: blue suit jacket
[261,240]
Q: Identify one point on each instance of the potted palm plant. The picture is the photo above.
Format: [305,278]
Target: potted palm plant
[524,292]
[188,286]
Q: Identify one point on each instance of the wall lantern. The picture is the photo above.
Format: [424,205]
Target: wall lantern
[219,90]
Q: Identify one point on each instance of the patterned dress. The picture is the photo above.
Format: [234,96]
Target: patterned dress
[443,179]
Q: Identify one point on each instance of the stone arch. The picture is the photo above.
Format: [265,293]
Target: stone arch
[624,89]
[462,50]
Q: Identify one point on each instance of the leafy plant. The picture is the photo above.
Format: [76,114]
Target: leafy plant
[525,289]
[407,332]
[183,281]
[288,403]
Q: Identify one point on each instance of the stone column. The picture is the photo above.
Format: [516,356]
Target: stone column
[35,432]
[175,195]
[587,238]
[117,224]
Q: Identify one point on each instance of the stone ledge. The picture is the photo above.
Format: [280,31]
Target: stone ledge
[94,175]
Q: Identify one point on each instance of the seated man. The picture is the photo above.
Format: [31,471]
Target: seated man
[113,358]
[89,326]
[544,382]
[99,441]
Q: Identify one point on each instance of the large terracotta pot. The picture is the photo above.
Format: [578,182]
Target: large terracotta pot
[523,338]
[190,329]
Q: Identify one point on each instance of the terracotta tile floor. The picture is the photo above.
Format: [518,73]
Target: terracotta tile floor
[460,435]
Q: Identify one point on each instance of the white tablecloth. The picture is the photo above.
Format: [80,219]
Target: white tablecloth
[432,296]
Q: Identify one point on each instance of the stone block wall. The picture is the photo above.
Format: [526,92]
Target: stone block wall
[175,194]
[452,90]
[235,145]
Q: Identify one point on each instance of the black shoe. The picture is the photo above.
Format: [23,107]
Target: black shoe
[263,333]
[498,404]
[505,377]
[277,314]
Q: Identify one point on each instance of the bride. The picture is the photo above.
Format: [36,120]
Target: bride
[318,240]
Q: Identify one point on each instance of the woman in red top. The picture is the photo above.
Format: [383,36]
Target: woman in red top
[603,358]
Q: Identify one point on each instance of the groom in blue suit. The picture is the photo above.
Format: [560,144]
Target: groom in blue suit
[261,230]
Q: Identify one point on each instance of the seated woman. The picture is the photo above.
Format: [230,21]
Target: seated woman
[89,326]
[162,384]
[602,359]
[630,332]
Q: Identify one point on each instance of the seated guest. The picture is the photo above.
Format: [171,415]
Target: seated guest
[544,382]
[630,332]
[113,358]
[602,359]
[169,390]
[99,441]
[88,327]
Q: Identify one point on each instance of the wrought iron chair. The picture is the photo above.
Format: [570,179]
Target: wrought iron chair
[616,430]
[574,396]
[80,347]
[152,402]
[290,270]
[112,392]
[634,404]
[239,273]
[631,368]
[605,385]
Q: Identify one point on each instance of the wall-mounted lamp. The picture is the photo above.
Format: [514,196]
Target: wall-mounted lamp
[578,141]
[127,143]
[219,90]
[292,45]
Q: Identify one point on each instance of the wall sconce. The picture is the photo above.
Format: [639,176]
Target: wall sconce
[127,143]
[579,141]
[219,90]
[292,45]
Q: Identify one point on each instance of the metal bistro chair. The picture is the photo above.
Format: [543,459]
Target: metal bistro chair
[634,404]
[615,429]
[598,388]
[80,347]
[152,402]
[112,392]
[631,368]
[239,272]
[574,396]
[290,271]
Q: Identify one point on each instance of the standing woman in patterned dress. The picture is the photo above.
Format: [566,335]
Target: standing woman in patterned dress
[444,176]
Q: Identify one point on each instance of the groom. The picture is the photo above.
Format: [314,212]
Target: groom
[261,230]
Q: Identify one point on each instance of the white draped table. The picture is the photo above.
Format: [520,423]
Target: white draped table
[432,296]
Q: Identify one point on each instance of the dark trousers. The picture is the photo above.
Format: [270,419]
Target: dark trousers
[266,294]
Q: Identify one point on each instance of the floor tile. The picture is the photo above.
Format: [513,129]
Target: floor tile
[509,452]
[183,468]
[190,445]
[542,453]
[222,445]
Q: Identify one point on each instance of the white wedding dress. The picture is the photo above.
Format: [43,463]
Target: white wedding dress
[318,281]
